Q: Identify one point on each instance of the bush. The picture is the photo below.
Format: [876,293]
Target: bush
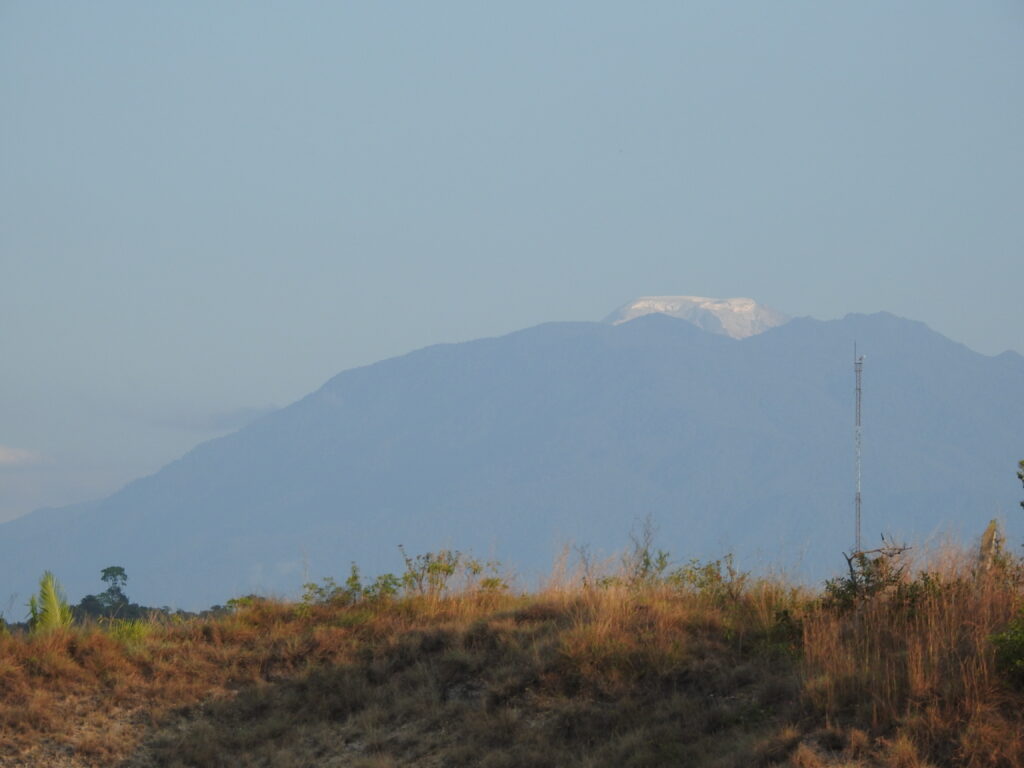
[868,577]
[719,580]
[431,573]
[128,631]
[1009,646]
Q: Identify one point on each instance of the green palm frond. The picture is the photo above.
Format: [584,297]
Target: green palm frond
[49,609]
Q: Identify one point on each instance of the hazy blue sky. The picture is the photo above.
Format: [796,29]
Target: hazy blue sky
[210,208]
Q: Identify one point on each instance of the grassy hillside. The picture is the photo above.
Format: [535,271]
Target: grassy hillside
[643,666]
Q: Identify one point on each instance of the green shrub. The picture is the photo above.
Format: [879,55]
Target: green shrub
[644,566]
[128,631]
[869,576]
[384,587]
[719,580]
[431,573]
[236,604]
[327,591]
[1009,646]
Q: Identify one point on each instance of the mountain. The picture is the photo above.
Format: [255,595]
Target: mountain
[566,432]
[738,318]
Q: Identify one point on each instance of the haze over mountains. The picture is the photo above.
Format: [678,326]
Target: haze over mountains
[730,428]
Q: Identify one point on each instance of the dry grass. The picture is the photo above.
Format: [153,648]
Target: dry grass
[916,662]
[588,671]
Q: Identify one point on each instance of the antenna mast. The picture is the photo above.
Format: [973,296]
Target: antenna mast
[858,368]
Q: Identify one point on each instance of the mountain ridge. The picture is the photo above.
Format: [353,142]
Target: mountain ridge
[565,432]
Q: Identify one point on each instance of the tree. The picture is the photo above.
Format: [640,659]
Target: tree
[1020,476]
[115,578]
[114,597]
[112,601]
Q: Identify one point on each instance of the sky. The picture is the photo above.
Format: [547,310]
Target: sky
[209,209]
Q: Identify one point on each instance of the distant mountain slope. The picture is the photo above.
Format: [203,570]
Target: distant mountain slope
[566,432]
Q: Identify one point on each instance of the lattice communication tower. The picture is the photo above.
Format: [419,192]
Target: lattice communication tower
[858,371]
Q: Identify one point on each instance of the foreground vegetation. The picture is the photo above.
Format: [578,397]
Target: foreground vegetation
[640,665]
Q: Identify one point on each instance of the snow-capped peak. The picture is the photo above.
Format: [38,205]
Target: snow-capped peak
[738,318]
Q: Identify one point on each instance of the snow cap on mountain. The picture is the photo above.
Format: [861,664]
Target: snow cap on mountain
[738,318]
